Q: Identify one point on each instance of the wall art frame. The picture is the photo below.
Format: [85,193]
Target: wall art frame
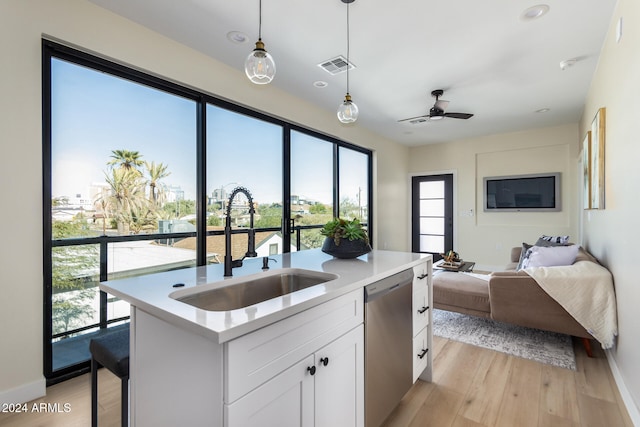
[597,169]
[586,171]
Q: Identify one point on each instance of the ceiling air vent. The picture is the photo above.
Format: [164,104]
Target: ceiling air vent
[417,120]
[336,65]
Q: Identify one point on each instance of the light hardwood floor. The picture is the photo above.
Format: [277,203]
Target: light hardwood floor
[472,387]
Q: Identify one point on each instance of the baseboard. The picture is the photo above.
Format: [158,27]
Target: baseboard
[25,392]
[632,408]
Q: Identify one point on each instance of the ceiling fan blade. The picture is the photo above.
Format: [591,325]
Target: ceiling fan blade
[458,115]
[418,119]
[441,104]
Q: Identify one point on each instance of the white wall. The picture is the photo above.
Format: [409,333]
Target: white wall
[487,237]
[79,23]
[612,234]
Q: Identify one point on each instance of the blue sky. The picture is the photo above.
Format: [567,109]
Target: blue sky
[95,113]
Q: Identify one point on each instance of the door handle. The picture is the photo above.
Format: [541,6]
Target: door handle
[423,353]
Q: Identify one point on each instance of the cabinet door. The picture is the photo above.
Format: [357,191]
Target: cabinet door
[284,401]
[420,309]
[339,382]
[420,353]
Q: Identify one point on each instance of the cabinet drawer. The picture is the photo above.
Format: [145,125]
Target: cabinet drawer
[421,309]
[420,275]
[420,344]
[254,358]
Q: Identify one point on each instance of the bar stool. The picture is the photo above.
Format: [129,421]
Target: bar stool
[111,351]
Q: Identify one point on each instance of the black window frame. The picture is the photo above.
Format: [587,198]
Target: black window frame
[52,49]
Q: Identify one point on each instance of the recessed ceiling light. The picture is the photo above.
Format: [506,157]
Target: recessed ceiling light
[237,37]
[543,110]
[534,12]
[320,84]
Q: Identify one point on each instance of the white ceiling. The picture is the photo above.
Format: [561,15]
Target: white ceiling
[489,61]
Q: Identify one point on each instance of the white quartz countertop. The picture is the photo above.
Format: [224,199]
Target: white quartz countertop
[151,293]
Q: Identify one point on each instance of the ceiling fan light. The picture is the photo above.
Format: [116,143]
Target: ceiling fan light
[348,110]
[435,118]
[259,65]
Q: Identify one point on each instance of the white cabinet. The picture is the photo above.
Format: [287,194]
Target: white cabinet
[305,370]
[322,390]
[260,379]
[339,382]
[287,400]
[422,332]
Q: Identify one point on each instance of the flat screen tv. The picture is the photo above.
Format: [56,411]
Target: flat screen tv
[522,193]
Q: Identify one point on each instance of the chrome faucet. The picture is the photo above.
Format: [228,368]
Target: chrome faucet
[229,263]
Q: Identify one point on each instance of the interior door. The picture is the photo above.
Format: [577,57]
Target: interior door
[432,214]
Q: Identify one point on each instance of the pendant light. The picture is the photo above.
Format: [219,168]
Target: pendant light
[348,110]
[259,65]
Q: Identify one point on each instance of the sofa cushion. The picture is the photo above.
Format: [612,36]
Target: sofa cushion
[458,290]
[550,256]
[524,256]
[552,240]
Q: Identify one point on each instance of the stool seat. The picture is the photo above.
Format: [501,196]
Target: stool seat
[111,351]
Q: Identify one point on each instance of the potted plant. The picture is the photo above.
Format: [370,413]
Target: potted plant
[345,238]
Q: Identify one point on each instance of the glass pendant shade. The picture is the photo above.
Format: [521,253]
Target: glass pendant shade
[348,110]
[259,65]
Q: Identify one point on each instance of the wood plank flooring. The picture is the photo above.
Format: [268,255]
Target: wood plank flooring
[472,387]
[476,387]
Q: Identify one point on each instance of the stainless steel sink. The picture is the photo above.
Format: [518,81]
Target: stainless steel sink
[253,289]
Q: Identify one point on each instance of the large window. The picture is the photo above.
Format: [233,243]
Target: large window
[137,177]
[312,189]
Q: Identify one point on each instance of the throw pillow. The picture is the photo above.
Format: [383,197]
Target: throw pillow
[552,240]
[550,256]
[524,256]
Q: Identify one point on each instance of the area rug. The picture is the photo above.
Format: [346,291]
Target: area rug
[542,346]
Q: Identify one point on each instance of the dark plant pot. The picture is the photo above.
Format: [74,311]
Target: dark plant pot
[347,248]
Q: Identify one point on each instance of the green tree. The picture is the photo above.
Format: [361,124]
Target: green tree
[213,220]
[319,208]
[125,159]
[74,283]
[172,210]
[126,197]
[60,201]
[155,173]
[269,216]
[349,209]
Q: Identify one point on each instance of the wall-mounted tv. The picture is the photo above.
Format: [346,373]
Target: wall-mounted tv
[522,193]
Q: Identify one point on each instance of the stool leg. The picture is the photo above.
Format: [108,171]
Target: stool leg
[94,392]
[124,395]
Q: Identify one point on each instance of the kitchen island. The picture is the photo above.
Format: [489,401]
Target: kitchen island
[257,364]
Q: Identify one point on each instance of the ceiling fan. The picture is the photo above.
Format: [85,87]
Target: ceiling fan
[437,111]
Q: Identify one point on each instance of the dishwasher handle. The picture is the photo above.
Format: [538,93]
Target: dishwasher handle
[386,285]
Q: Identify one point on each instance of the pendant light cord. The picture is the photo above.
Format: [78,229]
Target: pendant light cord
[260,21]
[348,63]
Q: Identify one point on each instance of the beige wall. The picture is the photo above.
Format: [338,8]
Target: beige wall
[77,22]
[612,234]
[487,237]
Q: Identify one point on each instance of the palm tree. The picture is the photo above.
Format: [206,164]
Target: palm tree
[155,174]
[125,159]
[125,198]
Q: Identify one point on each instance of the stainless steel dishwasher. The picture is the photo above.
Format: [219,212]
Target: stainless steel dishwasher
[388,343]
